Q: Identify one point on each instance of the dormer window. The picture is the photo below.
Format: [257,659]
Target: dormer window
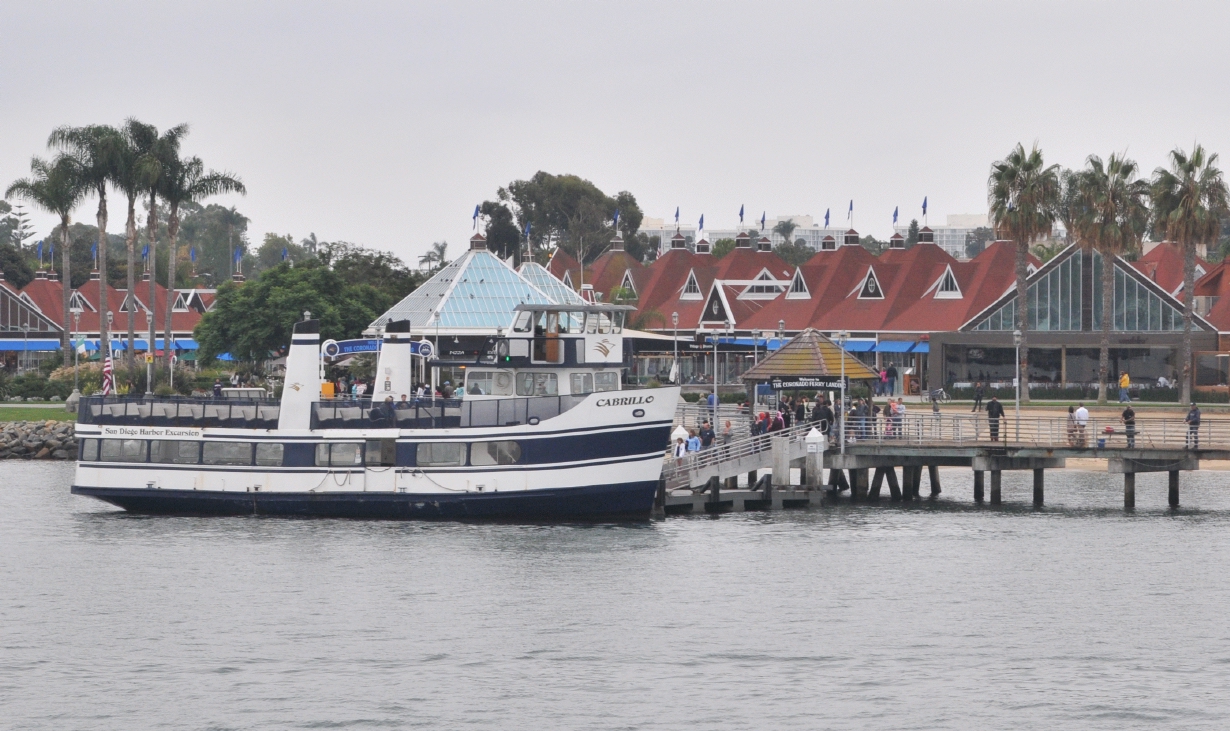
[771,288]
[798,287]
[627,284]
[869,288]
[946,287]
[77,301]
[181,305]
[691,288]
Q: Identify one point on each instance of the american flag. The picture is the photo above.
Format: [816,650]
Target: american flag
[108,383]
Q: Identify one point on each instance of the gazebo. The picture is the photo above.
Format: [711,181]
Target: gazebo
[811,362]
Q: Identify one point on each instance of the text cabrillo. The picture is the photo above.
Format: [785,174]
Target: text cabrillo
[624,401]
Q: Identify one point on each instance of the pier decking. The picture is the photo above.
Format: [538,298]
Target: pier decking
[877,452]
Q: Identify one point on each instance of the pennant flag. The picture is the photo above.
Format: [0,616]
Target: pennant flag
[108,380]
[924,205]
[702,223]
[94,252]
[851,205]
[676,215]
[192,254]
[40,251]
[762,215]
[616,218]
[826,217]
[145,252]
[238,255]
[527,230]
[51,252]
[476,207]
[740,214]
[895,215]
[285,253]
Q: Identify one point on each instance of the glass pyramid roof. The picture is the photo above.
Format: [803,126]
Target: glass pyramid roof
[475,292]
[544,280]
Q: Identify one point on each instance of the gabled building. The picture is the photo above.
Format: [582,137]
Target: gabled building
[26,334]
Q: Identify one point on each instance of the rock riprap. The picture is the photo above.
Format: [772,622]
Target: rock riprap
[38,440]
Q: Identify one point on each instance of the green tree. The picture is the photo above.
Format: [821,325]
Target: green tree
[186,181]
[503,236]
[644,247]
[213,231]
[57,188]
[269,254]
[794,254]
[253,319]
[1109,214]
[872,244]
[785,229]
[16,266]
[98,149]
[1189,203]
[380,269]
[570,212]
[976,241]
[1047,249]
[722,247]
[134,162]
[436,257]
[1023,193]
[911,235]
[15,226]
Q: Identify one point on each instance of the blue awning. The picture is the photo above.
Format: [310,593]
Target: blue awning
[922,347]
[769,343]
[894,346]
[860,346]
[29,345]
[186,344]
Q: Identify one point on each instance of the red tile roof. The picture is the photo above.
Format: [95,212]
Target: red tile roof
[47,296]
[1164,265]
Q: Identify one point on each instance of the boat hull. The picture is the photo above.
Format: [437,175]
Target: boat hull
[610,502]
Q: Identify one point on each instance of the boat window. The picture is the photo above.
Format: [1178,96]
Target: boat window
[523,322]
[606,381]
[89,450]
[604,323]
[582,383]
[237,453]
[479,383]
[122,450]
[576,322]
[269,455]
[440,454]
[537,384]
[174,452]
[381,452]
[483,454]
[591,323]
[617,322]
[322,455]
[344,455]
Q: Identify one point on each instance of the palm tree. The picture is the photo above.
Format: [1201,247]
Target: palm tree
[1023,194]
[131,162]
[57,188]
[435,256]
[785,229]
[98,147]
[1110,215]
[1189,201]
[156,165]
[185,181]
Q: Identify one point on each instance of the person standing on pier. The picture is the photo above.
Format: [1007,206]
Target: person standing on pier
[706,435]
[1193,427]
[995,412]
[1129,426]
[823,416]
[978,392]
[1082,421]
[1124,384]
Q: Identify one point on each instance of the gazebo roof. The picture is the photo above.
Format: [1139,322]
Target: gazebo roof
[808,354]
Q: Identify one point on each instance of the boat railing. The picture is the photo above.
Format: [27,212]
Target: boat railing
[434,413]
[179,411]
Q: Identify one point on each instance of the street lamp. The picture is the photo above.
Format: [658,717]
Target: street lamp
[149,354]
[842,337]
[1016,340]
[755,347]
[781,332]
[25,347]
[675,362]
[110,319]
[76,329]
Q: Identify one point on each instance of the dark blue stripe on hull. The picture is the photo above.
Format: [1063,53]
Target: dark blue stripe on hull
[623,501]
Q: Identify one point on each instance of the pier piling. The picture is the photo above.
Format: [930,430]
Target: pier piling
[996,495]
[1174,488]
[894,490]
[978,486]
[933,475]
[876,482]
[1038,489]
[1129,490]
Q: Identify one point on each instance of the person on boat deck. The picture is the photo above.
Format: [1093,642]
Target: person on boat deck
[217,388]
[681,449]
[475,390]
[403,404]
[383,411]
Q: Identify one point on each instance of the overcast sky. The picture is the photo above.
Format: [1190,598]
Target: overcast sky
[384,123]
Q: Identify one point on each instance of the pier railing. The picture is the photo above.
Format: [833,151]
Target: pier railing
[676,469]
[1039,431]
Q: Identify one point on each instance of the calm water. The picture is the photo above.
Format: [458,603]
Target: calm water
[940,616]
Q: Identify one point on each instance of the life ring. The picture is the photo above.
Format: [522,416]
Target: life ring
[503,380]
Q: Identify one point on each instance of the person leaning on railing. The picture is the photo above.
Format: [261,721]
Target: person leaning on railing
[995,412]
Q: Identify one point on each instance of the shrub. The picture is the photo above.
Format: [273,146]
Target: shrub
[691,397]
[1211,397]
[732,398]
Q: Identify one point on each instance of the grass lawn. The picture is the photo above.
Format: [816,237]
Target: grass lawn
[34,413]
